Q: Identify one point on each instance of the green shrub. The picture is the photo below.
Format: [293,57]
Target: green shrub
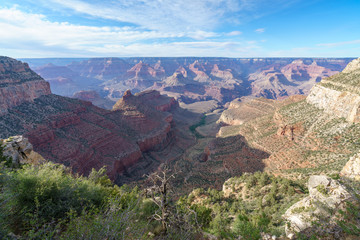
[112,223]
[47,192]
[244,228]
[203,215]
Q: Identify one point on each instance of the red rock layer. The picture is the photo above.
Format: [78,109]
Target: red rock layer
[83,136]
[19,84]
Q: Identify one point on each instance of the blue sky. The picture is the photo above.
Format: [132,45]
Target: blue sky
[166,28]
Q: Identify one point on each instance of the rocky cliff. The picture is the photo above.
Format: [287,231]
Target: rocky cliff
[19,84]
[94,97]
[83,136]
[339,95]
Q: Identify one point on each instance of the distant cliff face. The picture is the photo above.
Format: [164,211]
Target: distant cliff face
[339,95]
[192,79]
[312,135]
[77,133]
[19,84]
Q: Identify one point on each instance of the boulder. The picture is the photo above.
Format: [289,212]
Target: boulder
[326,197]
[20,150]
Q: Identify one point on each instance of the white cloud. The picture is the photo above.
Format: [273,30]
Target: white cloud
[21,26]
[163,15]
[260,30]
[234,33]
[33,35]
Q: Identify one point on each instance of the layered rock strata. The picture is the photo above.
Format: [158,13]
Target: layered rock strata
[19,84]
[340,94]
[81,135]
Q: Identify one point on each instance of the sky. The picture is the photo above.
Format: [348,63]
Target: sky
[173,28]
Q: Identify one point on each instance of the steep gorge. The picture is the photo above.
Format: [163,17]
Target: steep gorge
[80,135]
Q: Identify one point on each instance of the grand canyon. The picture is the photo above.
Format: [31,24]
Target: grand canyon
[210,121]
[179,120]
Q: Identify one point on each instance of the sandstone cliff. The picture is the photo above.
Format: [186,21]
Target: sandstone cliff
[339,95]
[19,84]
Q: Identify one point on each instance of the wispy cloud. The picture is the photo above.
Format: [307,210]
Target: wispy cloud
[173,15]
[260,30]
[131,28]
[163,15]
[34,35]
[339,43]
[234,33]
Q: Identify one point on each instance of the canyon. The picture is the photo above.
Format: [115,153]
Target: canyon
[291,137]
[187,79]
[75,132]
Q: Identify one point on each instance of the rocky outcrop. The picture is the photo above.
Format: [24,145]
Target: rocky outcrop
[199,70]
[338,103]
[352,168]
[295,78]
[326,197]
[354,65]
[19,84]
[82,136]
[340,94]
[20,150]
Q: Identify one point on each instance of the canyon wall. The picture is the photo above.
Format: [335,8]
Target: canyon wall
[339,95]
[77,133]
[19,84]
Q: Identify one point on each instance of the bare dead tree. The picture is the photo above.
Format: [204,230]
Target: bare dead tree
[283,129]
[159,192]
[171,217]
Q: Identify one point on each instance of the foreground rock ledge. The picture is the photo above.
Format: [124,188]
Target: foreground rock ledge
[326,197]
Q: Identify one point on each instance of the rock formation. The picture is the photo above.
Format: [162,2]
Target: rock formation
[239,112]
[339,95]
[352,168]
[94,97]
[20,150]
[19,84]
[326,197]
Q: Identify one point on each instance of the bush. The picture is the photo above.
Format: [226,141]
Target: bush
[244,228]
[46,193]
[114,222]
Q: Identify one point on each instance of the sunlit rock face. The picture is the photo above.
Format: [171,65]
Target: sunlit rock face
[339,95]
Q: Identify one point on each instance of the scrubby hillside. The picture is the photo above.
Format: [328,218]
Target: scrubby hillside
[304,136]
